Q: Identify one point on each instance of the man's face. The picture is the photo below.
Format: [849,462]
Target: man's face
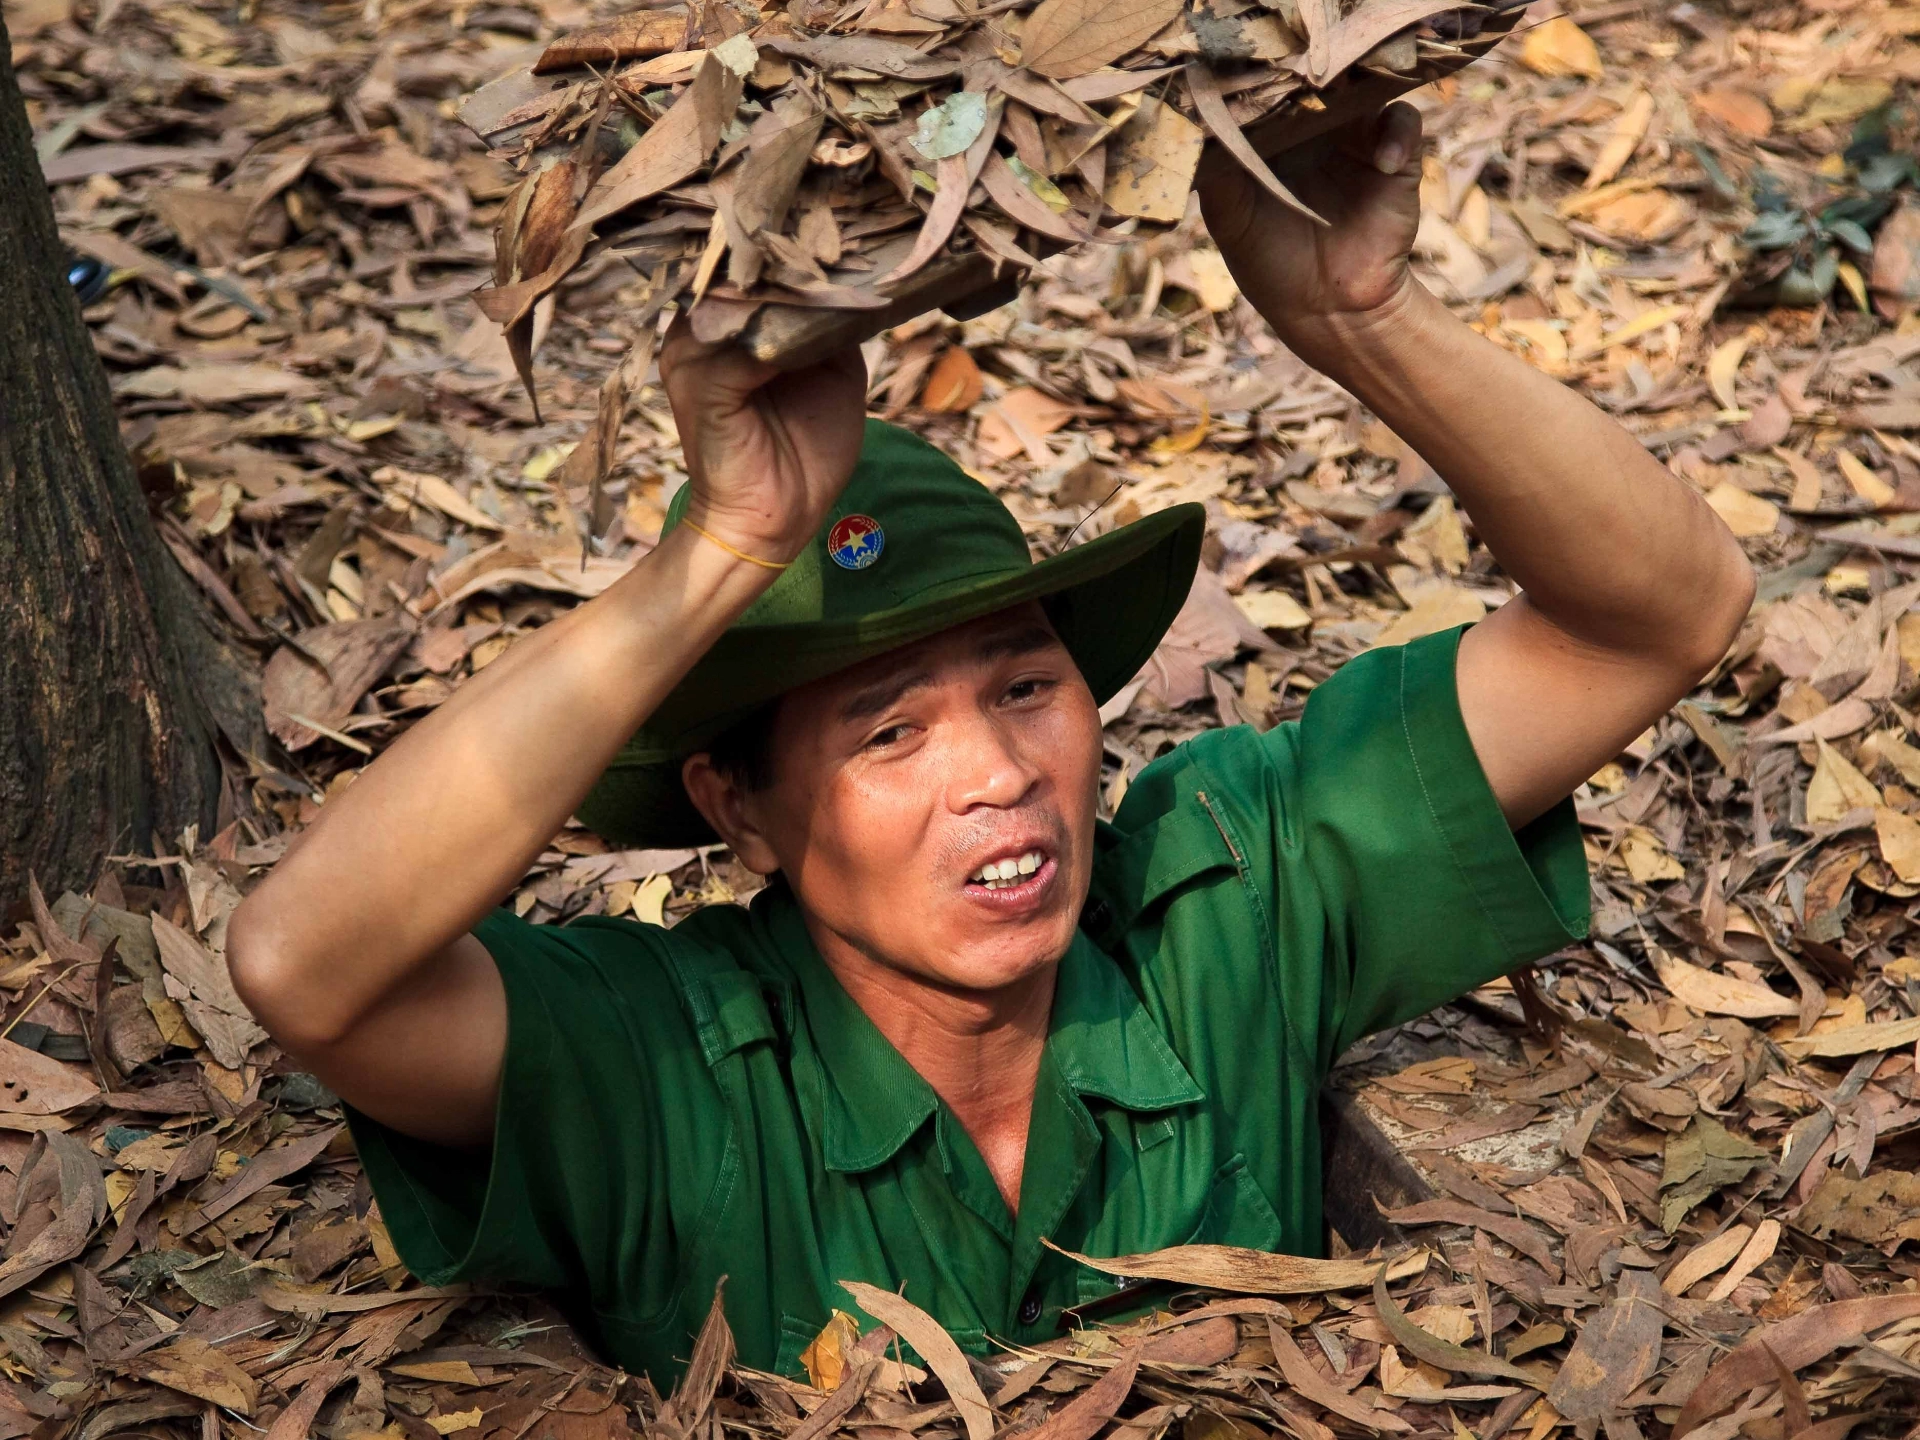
[934,809]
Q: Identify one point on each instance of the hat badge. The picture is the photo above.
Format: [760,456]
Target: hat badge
[855,541]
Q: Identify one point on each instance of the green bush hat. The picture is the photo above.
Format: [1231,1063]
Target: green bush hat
[914,546]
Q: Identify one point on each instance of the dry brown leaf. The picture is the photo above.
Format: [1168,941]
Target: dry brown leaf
[1899,837]
[1617,1351]
[36,1084]
[954,384]
[193,1367]
[936,1347]
[1066,38]
[1745,513]
[1705,1258]
[1799,1341]
[1560,47]
[1441,608]
[627,37]
[1856,1039]
[1250,1272]
[679,143]
[1715,994]
[1084,1416]
[1628,131]
[1151,163]
[1301,1375]
[1435,1351]
[1740,110]
[296,691]
[1837,788]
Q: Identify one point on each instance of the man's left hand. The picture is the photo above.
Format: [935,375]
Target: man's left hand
[1313,281]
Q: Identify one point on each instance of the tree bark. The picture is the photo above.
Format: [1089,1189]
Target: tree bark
[115,681]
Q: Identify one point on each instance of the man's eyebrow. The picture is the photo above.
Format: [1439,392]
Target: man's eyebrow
[1010,642]
[1004,644]
[865,704]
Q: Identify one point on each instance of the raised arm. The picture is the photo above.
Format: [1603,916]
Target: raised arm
[355,952]
[1633,588]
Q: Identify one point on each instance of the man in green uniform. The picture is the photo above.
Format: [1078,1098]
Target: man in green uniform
[966,1016]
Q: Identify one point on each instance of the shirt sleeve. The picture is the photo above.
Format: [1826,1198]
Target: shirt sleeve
[573,1188]
[1423,889]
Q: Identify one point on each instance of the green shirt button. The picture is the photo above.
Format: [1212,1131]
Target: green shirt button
[1030,1308]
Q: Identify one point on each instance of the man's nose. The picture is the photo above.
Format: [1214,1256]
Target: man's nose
[988,766]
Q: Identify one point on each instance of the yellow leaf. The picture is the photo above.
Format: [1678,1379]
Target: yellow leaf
[1150,163]
[1849,275]
[1628,131]
[1560,47]
[1866,481]
[544,461]
[1188,440]
[120,1188]
[443,1372]
[650,900]
[1211,280]
[418,488]
[825,1357]
[1723,366]
[1475,220]
[1806,479]
[459,1420]
[1837,788]
[1712,993]
[1640,325]
[1437,538]
[1273,610]
[1586,202]
[1849,580]
[1899,843]
[1885,747]
[1452,1323]
[1647,216]
[1441,608]
[1840,100]
[1646,859]
[1746,514]
[1546,344]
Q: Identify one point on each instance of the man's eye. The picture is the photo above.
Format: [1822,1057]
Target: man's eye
[892,735]
[1025,689]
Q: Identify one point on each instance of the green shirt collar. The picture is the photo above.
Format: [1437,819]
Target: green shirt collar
[870,1101]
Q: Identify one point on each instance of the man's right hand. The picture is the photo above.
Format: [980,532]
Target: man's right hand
[356,953]
[767,451]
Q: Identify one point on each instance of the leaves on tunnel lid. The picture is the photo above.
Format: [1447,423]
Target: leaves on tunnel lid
[1063,39]
[1106,127]
[951,126]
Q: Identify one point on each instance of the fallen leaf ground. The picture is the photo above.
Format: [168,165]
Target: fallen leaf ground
[1680,1161]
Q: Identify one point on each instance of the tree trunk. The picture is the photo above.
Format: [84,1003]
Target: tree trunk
[114,678]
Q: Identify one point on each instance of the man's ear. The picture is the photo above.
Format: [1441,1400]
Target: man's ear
[730,811]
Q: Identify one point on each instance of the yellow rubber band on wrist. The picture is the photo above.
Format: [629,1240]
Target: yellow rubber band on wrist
[737,554]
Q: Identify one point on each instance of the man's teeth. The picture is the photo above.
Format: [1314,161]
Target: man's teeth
[998,874]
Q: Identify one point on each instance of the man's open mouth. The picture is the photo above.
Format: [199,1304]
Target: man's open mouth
[999,874]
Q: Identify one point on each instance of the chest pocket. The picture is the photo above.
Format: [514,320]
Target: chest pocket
[1238,1211]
